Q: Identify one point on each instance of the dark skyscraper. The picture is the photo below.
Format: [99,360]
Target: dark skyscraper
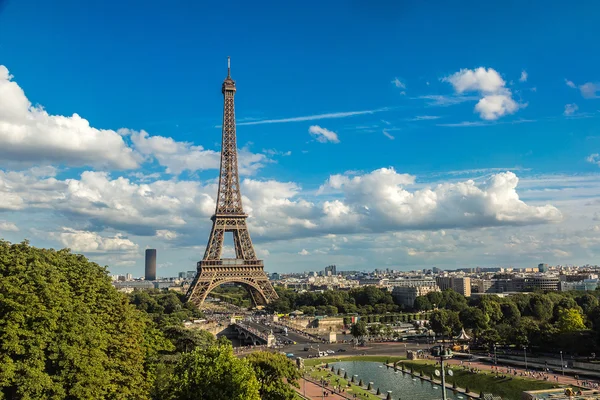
[150,274]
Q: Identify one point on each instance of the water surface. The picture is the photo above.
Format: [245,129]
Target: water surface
[403,386]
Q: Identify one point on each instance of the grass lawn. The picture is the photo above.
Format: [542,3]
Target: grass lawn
[509,388]
[310,362]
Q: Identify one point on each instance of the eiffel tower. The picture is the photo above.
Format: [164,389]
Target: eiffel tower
[245,268]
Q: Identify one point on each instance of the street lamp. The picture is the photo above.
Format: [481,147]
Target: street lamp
[562,363]
[525,353]
[495,357]
[443,353]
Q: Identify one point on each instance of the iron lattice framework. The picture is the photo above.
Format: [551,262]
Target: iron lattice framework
[229,216]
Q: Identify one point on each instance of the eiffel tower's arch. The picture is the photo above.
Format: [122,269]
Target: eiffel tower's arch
[252,287]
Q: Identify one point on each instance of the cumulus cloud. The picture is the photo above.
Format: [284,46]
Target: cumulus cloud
[594,159]
[496,99]
[8,227]
[590,90]
[30,135]
[184,156]
[303,252]
[523,77]
[119,203]
[92,242]
[382,201]
[570,109]
[166,234]
[323,135]
[374,202]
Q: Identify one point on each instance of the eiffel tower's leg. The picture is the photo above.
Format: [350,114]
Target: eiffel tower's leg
[243,244]
[199,290]
[215,241]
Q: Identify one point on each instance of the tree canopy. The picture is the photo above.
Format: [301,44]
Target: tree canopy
[275,373]
[65,332]
[213,373]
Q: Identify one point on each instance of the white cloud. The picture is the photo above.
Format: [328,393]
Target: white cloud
[8,227]
[30,135]
[590,90]
[398,83]
[494,106]
[496,100]
[570,84]
[314,117]
[523,77]
[380,200]
[166,234]
[184,156]
[304,252]
[444,101]
[92,242]
[347,204]
[323,135]
[274,152]
[594,159]
[424,118]
[388,135]
[570,109]
[476,80]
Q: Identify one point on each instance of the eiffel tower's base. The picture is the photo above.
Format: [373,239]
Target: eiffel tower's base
[248,273]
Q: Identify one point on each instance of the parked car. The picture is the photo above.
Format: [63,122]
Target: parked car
[330,352]
[342,350]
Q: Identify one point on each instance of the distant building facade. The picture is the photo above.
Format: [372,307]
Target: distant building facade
[460,285]
[331,270]
[406,295]
[150,270]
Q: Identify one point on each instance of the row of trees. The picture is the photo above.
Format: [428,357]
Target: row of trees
[364,300]
[66,333]
[548,321]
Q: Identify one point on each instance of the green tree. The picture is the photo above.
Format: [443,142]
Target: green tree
[422,303]
[359,329]
[375,330]
[213,373]
[388,331]
[491,308]
[65,332]
[569,320]
[587,302]
[445,322]
[185,339]
[540,307]
[490,337]
[510,313]
[275,373]
[475,319]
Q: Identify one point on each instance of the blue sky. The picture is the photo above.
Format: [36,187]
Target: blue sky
[440,92]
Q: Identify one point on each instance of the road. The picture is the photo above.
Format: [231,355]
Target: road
[295,337]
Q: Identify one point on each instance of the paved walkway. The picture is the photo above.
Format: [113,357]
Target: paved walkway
[314,391]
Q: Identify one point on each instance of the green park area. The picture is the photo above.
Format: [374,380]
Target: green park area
[509,388]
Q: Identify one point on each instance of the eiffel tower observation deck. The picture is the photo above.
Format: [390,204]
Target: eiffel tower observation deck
[245,269]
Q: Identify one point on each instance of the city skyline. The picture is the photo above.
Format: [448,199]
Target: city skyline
[392,139]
